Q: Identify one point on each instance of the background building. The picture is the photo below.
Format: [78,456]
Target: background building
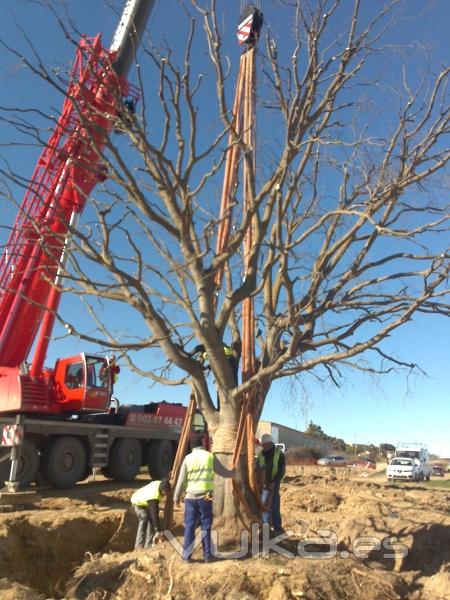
[292,438]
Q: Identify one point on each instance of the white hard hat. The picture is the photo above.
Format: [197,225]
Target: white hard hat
[266,438]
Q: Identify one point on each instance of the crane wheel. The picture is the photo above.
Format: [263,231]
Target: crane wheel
[160,457]
[28,466]
[125,459]
[64,462]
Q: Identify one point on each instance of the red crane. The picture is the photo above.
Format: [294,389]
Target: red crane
[54,422]
[35,255]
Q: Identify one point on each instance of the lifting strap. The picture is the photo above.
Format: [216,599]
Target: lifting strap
[244,107]
[179,456]
[243,130]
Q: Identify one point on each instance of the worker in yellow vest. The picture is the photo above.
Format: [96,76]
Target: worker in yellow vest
[145,502]
[109,372]
[232,354]
[272,462]
[196,480]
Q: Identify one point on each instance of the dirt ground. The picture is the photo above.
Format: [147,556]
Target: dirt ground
[346,537]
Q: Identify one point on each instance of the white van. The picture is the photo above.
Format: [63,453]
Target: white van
[420,456]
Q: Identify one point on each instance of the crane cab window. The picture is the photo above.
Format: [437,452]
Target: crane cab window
[74,376]
[97,372]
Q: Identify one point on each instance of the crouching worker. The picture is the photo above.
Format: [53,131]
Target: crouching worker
[196,479]
[145,503]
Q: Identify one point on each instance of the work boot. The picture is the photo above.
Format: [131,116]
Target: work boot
[210,559]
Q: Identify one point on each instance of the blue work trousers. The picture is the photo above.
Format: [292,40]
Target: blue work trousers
[197,511]
[273,515]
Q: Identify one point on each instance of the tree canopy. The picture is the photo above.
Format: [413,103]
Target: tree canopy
[350,227]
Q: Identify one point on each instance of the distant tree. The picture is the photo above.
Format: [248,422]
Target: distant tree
[385,448]
[338,444]
[316,431]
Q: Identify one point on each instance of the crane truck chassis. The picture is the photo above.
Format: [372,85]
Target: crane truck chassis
[60,453]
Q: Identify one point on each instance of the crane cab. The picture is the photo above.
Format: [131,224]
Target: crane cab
[82,383]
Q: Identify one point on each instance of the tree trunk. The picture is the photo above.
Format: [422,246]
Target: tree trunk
[231,518]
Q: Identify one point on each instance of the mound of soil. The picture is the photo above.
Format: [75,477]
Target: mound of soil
[346,538]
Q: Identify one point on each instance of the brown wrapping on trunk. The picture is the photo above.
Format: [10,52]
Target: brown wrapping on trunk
[221,438]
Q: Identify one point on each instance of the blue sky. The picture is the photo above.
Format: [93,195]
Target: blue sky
[393,409]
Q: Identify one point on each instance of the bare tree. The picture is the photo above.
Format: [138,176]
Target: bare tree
[350,228]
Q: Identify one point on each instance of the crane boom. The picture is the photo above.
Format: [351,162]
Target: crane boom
[128,34]
[67,171]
